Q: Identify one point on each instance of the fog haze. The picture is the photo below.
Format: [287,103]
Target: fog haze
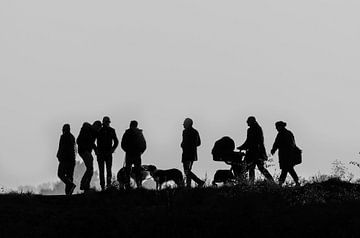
[159,62]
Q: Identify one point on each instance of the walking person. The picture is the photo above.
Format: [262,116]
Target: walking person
[107,143]
[288,152]
[190,142]
[134,145]
[66,157]
[255,150]
[86,144]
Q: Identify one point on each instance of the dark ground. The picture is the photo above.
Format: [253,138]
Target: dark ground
[328,209]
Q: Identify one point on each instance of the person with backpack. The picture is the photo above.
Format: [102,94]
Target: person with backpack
[289,154]
[134,144]
[255,150]
[86,144]
[106,143]
[190,142]
[66,155]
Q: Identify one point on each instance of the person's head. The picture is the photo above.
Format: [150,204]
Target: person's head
[133,124]
[188,122]
[86,125]
[66,128]
[106,121]
[280,125]
[251,121]
[96,125]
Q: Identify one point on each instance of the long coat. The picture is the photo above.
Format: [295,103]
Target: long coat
[254,144]
[190,142]
[66,151]
[285,143]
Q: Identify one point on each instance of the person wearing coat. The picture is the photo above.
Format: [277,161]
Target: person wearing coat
[86,144]
[255,150]
[106,143]
[66,156]
[285,144]
[134,145]
[190,142]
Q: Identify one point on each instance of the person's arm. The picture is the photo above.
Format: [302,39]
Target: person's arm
[60,148]
[116,142]
[143,143]
[245,145]
[275,145]
[198,141]
[182,141]
[124,142]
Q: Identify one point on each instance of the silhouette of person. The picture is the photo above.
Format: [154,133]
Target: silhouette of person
[66,156]
[190,142]
[86,144]
[134,145]
[285,143]
[106,142]
[255,150]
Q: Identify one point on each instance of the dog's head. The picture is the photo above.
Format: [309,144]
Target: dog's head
[151,169]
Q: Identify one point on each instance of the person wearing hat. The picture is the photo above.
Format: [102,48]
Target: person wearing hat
[255,150]
[285,144]
[189,144]
[107,143]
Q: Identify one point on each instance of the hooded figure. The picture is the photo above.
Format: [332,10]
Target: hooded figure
[134,145]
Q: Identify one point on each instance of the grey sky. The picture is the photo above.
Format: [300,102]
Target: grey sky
[161,61]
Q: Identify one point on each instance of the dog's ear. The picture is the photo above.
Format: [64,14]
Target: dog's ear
[151,168]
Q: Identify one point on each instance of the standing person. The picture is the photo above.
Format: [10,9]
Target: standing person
[86,144]
[107,142]
[66,157]
[190,142]
[134,145]
[255,150]
[285,143]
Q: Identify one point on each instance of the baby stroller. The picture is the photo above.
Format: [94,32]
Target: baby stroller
[223,151]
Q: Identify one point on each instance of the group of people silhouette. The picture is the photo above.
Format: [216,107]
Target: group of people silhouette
[101,138]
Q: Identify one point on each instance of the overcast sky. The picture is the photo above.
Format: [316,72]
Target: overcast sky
[158,62]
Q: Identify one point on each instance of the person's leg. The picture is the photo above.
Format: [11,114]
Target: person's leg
[86,179]
[70,171]
[294,176]
[61,172]
[70,178]
[252,172]
[283,176]
[108,163]
[190,175]
[101,161]
[137,171]
[187,169]
[264,171]
[128,164]
[62,175]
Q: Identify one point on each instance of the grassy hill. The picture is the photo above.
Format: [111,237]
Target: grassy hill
[328,209]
